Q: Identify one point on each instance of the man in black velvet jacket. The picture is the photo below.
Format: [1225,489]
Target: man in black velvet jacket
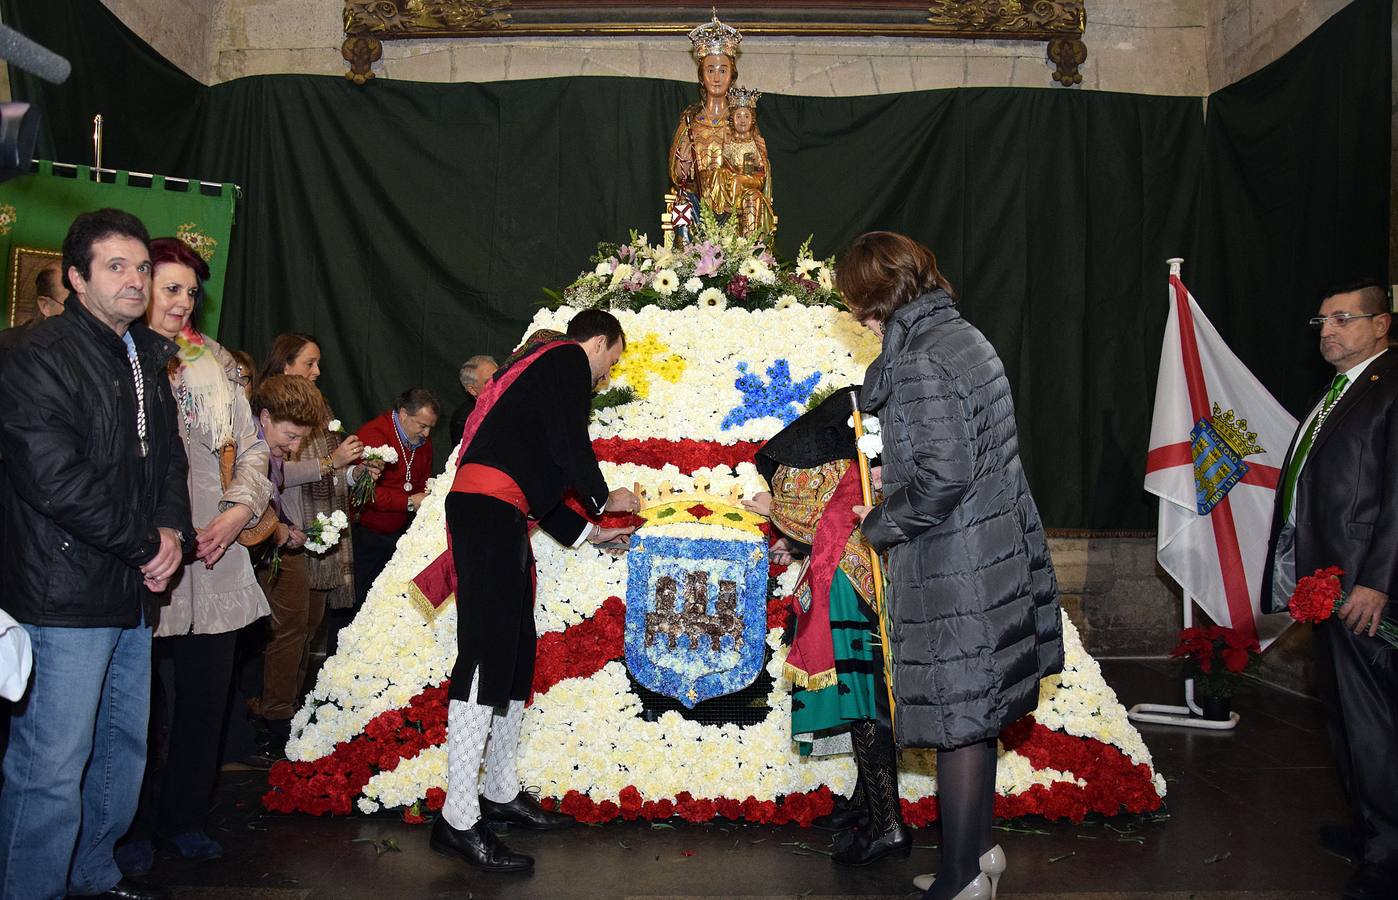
[1338,506]
[527,446]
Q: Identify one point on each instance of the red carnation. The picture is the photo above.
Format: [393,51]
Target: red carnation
[436,798]
[1316,596]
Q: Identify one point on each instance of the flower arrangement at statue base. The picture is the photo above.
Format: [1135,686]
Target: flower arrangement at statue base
[709,385]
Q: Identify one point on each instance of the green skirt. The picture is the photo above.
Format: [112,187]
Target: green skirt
[820,719]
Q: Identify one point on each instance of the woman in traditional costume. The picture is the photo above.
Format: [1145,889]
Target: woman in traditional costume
[835,662]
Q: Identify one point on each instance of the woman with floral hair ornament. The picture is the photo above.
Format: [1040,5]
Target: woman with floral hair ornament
[835,663]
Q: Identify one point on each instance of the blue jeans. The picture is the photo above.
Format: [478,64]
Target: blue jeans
[75,760]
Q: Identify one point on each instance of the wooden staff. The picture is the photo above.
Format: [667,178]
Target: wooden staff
[867,488]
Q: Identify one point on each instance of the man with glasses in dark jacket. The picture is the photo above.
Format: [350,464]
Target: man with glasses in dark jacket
[1336,507]
[96,518]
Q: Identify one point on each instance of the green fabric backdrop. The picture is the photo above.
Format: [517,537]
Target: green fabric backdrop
[46,203]
[410,225]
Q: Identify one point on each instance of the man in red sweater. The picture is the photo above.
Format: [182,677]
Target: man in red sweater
[402,486]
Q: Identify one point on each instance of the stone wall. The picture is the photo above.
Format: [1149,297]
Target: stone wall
[1141,46]
[182,31]
[1245,35]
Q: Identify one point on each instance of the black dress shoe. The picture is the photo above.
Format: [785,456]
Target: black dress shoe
[867,848]
[478,846]
[1372,882]
[131,889]
[525,812]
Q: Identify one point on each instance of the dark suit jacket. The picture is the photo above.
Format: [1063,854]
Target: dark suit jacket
[1347,495]
[537,434]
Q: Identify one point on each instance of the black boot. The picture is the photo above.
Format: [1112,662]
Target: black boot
[886,834]
[851,813]
[478,846]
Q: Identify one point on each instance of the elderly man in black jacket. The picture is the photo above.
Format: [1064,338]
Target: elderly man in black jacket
[96,518]
[1339,507]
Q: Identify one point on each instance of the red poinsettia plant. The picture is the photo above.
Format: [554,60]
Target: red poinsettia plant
[1216,657]
[1319,596]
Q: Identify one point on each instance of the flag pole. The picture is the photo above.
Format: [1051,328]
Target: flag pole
[1190,715]
[867,489]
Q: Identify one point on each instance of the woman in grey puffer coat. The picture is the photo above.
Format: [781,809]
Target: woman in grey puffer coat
[972,602]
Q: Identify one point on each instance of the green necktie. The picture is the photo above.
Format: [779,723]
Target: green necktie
[1298,459]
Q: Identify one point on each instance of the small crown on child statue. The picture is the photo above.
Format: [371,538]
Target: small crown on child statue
[715,37]
[743,97]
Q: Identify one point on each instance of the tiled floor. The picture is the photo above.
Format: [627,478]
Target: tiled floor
[1239,821]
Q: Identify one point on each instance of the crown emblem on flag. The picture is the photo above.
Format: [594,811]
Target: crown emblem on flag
[1235,431]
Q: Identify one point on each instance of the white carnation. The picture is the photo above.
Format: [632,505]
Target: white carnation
[619,274]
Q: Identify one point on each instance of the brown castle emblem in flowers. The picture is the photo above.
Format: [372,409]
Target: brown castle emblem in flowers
[694,620]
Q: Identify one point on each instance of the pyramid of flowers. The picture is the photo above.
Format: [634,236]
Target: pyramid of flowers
[725,346]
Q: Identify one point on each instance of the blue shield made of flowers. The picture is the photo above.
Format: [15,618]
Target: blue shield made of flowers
[696,614]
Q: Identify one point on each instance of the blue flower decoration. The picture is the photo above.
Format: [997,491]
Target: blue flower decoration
[778,396]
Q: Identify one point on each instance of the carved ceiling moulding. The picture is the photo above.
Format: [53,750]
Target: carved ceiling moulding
[1059,23]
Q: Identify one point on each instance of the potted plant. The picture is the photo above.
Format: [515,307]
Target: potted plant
[1216,658]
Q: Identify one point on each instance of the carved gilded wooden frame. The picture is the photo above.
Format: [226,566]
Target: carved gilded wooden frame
[1059,23]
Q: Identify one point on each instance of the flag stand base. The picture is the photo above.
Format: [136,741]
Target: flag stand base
[1187,716]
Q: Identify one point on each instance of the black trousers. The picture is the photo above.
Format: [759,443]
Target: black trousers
[1358,680]
[494,599]
[372,551]
[193,676]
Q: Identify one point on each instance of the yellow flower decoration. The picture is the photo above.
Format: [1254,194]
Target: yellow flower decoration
[645,359]
[8,218]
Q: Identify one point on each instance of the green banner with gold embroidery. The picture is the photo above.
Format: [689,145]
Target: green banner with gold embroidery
[36,210]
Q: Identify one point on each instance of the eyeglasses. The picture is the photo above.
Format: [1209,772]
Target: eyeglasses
[1340,319]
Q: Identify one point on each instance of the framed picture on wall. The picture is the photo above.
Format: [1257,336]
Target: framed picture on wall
[25,263]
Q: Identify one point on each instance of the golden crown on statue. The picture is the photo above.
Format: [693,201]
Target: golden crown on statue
[715,37]
[1235,431]
[743,97]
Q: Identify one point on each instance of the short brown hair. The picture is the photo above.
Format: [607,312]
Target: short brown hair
[290,398]
[882,272]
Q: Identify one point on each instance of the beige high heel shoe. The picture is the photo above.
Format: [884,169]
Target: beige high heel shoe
[993,865]
[978,889]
